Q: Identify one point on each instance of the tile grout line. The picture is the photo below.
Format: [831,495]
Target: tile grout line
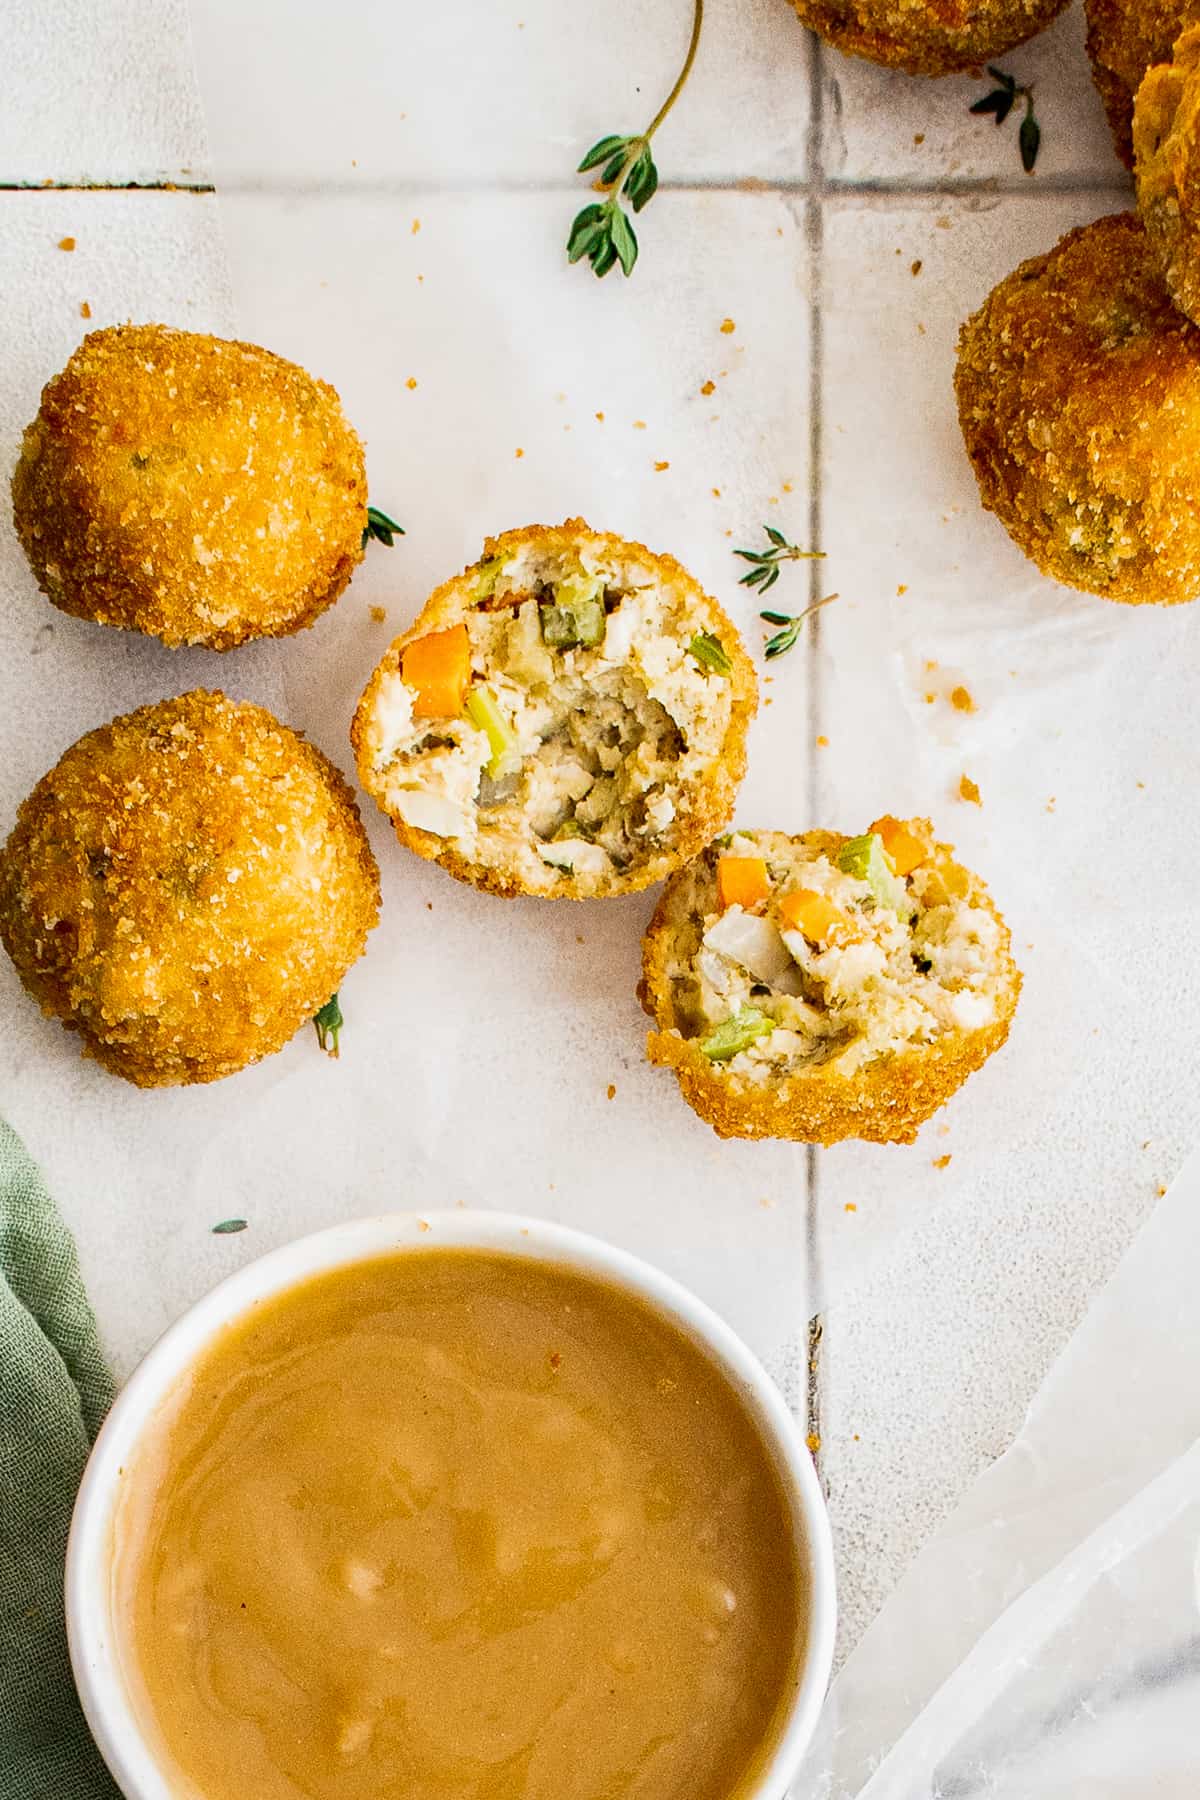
[815,234]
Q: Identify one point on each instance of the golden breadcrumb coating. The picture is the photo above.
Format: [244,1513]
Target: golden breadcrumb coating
[1124,37]
[186,888]
[202,491]
[840,1085]
[1078,388]
[630,751]
[927,40]
[1166,140]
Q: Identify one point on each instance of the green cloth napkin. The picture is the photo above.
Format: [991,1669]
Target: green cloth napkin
[54,1391]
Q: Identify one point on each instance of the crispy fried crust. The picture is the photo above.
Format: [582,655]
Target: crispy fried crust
[199,490]
[1078,387]
[1166,140]
[709,807]
[927,40]
[1124,37]
[186,887]
[885,1102]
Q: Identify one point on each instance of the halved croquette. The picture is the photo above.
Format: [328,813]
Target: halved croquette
[1166,141]
[186,887]
[567,718]
[927,40]
[823,987]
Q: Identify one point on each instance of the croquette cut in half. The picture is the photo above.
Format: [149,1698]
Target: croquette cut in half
[567,718]
[1078,388]
[823,987]
[186,888]
[1166,141]
[198,490]
[922,39]
[1124,39]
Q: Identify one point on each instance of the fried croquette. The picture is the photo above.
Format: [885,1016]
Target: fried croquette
[1124,39]
[1078,388]
[927,40]
[566,718]
[186,888]
[202,491]
[823,987]
[1166,141]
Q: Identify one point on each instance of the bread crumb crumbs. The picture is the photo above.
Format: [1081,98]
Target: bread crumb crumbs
[660,466]
[716,493]
[611,1090]
[85,311]
[942,1162]
[555,1359]
[768,701]
[639,424]
[929,699]
[379,614]
[930,664]
[518,451]
[710,387]
[423,1225]
[961,700]
[1141,784]
[727,326]
[1050,804]
[969,790]
[416,226]
[600,416]
[787,487]
[902,589]
[766,1203]
[918,265]
[822,742]
[851,1206]
[919,137]
[411,382]
[67,243]
[579,937]
[429,906]
[813,1442]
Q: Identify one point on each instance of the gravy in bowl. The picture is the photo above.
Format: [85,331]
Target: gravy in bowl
[452,1524]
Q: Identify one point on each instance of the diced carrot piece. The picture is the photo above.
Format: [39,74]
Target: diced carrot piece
[742,881]
[906,847]
[818,918]
[438,668]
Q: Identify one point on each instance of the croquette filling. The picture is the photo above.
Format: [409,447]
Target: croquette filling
[589,702]
[836,961]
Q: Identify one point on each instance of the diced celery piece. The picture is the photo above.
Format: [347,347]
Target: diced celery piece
[482,710]
[571,624]
[736,1034]
[865,858]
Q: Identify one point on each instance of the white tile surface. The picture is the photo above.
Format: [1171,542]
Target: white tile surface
[99,93]
[894,130]
[954,1286]
[511,91]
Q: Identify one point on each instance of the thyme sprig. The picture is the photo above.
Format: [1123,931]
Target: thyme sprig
[328,1023]
[378,526]
[783,640]
[602,233]
[767,563]
[227,1227]
[1000,102]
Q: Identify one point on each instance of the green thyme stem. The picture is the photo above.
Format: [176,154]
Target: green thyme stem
[681,78]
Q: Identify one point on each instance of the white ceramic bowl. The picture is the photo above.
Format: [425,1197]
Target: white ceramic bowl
[90,1596]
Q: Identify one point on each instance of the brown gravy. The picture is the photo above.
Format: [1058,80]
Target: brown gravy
[454,1525]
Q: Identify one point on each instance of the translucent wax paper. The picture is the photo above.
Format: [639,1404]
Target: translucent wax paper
[1047,1639]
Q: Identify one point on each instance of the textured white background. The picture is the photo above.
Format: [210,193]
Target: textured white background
[796,201]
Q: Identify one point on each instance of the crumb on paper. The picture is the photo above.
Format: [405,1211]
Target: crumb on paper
[600,416]
[429,906]
[918,137]
[67,243]
[727,326]
[85,311]
[422,1224]
[943,224]
[814,1442]
[717,496]
[555,1359]
[787,487]
[851,1206]
[930,665]
[961,700]
[942,1162]
[660,466]
[579,938]
[969,790]
[710,387]
[1161,1190]
[1141,784]
[1050,804]
[917,266]
[379,614]
[929,699]
[416,226]
[611,1090]
[772,499]
[639,424]
[766,1203]
[943,1131]
[920,329]
[411,382]
[902,589]
[768,701]
[822,742]
[518,451]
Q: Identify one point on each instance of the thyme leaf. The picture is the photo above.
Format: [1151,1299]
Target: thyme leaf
[328,1023]
[999,102]
[381,528]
